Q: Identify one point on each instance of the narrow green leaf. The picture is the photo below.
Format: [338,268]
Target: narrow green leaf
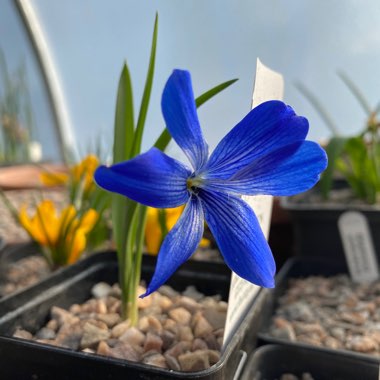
[146,95]
[164,139]
[325,116]
[124,123]
[212,92]
[334,149]
[356,92]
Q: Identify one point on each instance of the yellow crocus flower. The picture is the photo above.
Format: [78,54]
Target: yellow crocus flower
[153,232]
[63,236]
[54,179]
[83,171]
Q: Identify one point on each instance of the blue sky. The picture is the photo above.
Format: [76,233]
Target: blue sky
[216,40]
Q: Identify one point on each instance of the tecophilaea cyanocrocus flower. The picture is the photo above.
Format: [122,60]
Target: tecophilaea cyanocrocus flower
[266,153]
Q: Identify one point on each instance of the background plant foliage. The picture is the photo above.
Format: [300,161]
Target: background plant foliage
[356,158]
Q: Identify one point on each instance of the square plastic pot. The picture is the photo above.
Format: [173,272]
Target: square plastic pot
[23,359]
[302,267]
[270,362]
[316,230]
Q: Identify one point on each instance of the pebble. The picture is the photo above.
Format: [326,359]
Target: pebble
[332,312]
[194,361]
[180,315]
[46,333]
[101,290]
[93,334]
[133,336]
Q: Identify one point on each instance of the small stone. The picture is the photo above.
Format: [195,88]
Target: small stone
[133,336]
[110,319]
[154,325]
[143,303]
[115,307]
[285,332]
[172,363]
[101,290]
[156,360]
[178,349]
[126,351]
[92,335]
[23,334]
[194,361]
[168,338]
[120,329]
[213,356]
[88,351]
[199,344]
[101,307]
[165,302]
[168,291]
[115,291]
[202,328]
[189,304]
[338,333]
[212,342]
[309,328]
[45,333]
[192,292]
[362,344]
[103,349]
[180,315]
[63,316]
[153,342]
[52,325]
[75,309]
[185,333]
[170,325]
[215,317]
[315,341]
[332,342]
[355,318]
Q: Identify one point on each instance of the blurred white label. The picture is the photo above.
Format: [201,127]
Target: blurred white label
[358,246]
[269,85]
[35,151]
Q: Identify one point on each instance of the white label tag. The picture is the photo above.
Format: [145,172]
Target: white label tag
[358,246]
[269,85]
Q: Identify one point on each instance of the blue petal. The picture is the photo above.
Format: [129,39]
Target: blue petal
[239,237]
[180,114]
[180,243]
[287,171]
[152,178]
[267,127]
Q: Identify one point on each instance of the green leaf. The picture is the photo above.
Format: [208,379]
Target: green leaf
[124,124]
[356,92]
[334,149]
[214,91]
[146,95]
[164,139]
[325,116]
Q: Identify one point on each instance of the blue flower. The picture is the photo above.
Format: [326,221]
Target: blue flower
[266,153]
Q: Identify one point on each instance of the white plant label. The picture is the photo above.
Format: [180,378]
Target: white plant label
[269,85]
[358,246]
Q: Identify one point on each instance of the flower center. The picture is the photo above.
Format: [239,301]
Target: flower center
[193,184]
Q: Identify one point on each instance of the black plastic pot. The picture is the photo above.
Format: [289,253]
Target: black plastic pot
[301,267]
[24,359]
[13,253]
[270,362]
[316,230]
